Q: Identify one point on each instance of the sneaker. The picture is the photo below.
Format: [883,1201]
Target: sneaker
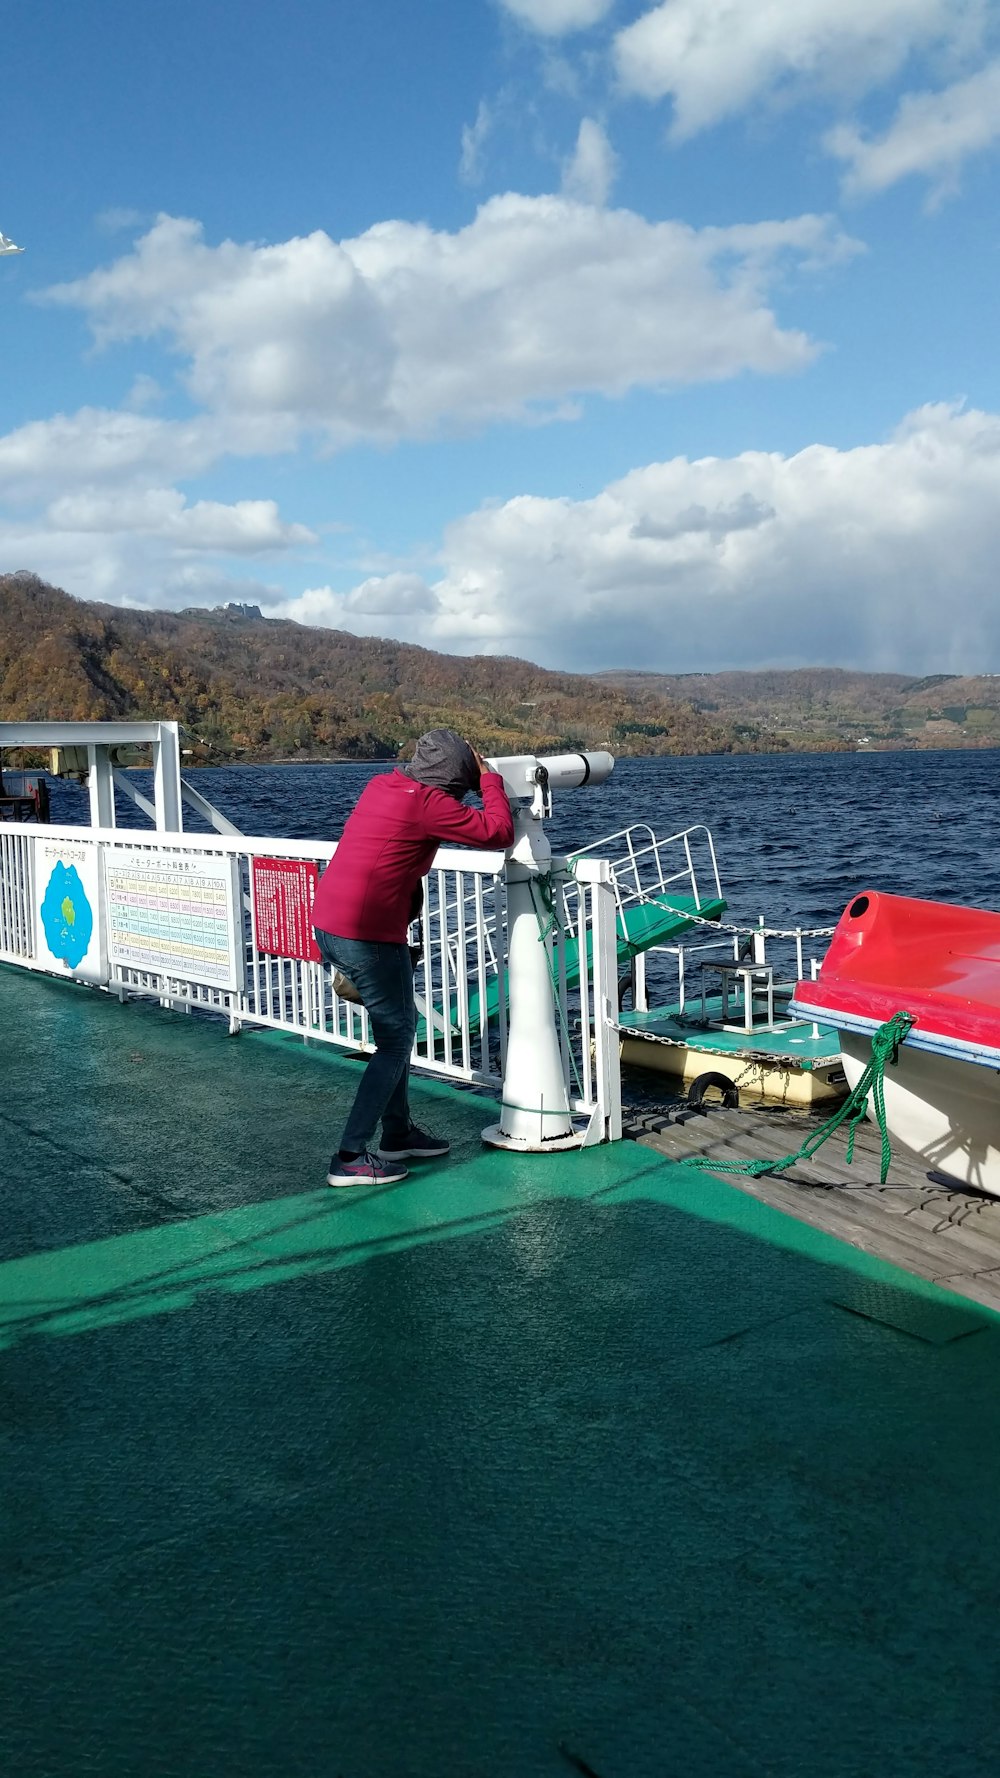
[365,1169]
[415,1146]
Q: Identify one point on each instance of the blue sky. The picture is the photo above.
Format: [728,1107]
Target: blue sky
[601,332]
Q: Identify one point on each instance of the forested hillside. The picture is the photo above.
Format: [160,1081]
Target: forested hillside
[823,706]
[268,689]
[264,688]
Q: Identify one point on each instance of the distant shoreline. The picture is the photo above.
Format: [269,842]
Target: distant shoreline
[787,752]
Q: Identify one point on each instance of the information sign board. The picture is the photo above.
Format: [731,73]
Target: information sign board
[284,890]
[174,914]
[69,934]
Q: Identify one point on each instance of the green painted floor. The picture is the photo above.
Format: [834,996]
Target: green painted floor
[520,1460]
[793,1039]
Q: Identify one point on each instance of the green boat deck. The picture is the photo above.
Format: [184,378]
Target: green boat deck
[790,1040]
[523,1462]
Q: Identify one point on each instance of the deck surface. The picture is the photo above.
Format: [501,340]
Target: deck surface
[525,1461]
[917,1219]
[790,1040]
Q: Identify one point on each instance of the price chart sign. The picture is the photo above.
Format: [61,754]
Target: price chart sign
[173,915]
[284,890]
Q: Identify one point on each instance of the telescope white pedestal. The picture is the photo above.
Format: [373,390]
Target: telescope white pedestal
[536,1116]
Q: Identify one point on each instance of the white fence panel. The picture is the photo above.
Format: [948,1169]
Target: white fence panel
[460,982]
[17,898]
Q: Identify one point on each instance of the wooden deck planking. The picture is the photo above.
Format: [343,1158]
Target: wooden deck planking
[936,1231]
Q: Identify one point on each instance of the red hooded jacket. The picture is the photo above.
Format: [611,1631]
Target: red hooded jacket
[388,845]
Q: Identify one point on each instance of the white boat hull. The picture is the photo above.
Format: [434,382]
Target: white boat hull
[945,1109]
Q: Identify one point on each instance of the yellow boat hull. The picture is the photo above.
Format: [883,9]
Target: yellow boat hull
[760,1080]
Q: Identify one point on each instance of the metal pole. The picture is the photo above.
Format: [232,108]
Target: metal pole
[167,778]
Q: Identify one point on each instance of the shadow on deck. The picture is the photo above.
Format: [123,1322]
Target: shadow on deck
[526,1457]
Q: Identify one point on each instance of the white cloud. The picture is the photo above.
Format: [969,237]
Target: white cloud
[883,557]
[592,168]
[406,332]
[396,597]
[102,445]
[931,133]
[248,527]
[474,137]
[151,564]
[555,18]
[402,333]
[145,392]
[116,219]
[83,507]
[713,58]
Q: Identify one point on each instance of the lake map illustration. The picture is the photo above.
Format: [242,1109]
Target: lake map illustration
[67,916]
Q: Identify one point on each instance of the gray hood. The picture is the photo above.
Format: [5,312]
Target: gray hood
[444,761]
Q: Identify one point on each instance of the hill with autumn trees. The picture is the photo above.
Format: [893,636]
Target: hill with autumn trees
[814,707]
[263,688]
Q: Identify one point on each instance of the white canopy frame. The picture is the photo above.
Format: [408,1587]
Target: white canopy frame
[102,742]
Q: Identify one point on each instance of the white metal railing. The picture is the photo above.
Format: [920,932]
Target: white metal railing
[646,868]
[784,948]
[460,980]
[17,927]
[642,871]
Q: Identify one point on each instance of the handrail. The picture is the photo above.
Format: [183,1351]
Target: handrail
[634,859]
[728,937]
[461,979]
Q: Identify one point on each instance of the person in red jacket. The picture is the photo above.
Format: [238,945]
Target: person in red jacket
[363,906]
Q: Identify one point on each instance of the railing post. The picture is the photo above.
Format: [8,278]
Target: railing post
[607,1045]
[639,997]
[167,778]
[100,779]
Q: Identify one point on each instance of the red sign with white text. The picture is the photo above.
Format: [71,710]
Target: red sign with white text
[284,890]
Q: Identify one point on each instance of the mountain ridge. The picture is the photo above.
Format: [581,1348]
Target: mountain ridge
[259,688]
[266,688]
[818,706]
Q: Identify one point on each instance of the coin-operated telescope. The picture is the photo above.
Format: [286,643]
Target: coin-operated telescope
[535,1115]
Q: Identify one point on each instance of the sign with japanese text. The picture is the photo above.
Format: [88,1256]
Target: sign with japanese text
[284,890]
[174,915]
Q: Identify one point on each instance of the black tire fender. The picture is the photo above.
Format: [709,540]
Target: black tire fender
[722,1083]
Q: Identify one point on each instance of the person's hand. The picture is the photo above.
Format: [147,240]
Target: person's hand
[480,761]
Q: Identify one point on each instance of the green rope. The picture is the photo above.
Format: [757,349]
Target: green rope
[885,1050]
[545,884]
[534,1110]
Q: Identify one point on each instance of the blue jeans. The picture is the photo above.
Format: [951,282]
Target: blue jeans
[383,976]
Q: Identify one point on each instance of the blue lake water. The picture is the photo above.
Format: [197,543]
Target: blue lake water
[796,835]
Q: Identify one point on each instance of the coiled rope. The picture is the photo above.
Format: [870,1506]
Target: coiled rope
[885,1050]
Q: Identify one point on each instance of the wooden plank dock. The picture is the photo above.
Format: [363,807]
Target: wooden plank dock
[918,1220]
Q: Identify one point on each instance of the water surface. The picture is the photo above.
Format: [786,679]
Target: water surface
[796,834]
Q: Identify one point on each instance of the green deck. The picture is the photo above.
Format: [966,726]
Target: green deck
[587,1450]
[792,1041]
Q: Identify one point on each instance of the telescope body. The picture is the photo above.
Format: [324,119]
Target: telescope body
[536,1115]
[523,772]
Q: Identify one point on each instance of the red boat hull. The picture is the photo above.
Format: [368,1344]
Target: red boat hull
[891,953]
[941,964]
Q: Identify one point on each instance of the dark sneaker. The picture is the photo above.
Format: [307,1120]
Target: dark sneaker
[415,1146]
[365,1169]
